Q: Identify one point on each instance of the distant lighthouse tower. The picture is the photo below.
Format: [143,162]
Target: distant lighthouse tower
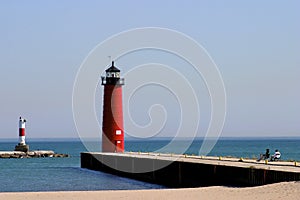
[112,125]
[22,123]
[22,144]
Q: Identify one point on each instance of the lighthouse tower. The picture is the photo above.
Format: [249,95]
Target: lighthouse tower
[22,123]
[22,144]
[112,125]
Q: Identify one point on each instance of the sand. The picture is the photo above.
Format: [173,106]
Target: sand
[282,191]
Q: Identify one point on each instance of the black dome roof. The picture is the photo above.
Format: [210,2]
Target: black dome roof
[112,68]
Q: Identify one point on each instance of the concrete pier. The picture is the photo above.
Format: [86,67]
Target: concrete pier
[191,171]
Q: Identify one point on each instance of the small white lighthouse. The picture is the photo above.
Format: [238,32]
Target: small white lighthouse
[22,144]
[22,123]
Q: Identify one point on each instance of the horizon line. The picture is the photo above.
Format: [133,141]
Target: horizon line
[153,138]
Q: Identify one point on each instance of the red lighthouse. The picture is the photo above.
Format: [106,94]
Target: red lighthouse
[112,125]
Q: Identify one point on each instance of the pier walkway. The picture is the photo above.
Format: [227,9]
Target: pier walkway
[191,171]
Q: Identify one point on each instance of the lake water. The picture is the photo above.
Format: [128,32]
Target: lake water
[65,174]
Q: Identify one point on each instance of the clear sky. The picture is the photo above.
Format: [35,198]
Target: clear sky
[255,45]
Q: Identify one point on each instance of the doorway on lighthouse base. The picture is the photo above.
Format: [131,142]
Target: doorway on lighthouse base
[118,145]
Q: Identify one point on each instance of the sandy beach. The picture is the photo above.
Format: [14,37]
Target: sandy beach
[282,191]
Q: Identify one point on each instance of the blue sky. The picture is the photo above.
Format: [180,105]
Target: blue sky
[255,44]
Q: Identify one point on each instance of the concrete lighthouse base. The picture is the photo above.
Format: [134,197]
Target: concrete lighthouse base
[22,147]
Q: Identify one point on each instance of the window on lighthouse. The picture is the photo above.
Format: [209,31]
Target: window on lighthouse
[118,132]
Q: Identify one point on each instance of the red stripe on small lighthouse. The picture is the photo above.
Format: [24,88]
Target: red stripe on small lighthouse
[21,131]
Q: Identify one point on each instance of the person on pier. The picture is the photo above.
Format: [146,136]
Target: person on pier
[264,156]
[276,155]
